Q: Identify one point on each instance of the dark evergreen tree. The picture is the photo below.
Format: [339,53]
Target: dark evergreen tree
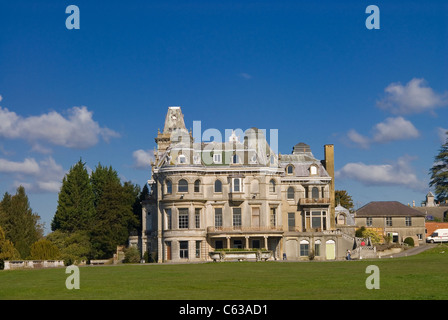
[99,177]
[113,221]
[439,173]
[75,209]
[21,225]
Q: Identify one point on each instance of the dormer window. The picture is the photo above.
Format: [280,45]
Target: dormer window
[217,158]
[290,169]
[182,159]
[313,170]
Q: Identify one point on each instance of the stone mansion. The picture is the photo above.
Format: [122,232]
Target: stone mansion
[239,193]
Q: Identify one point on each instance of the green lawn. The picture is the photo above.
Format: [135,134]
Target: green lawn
[424,276]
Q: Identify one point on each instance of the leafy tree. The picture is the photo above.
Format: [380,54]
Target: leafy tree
[344,199]
[75,209]
[74,247]
[44,250]
[21,225]
[7,249]
[439,173]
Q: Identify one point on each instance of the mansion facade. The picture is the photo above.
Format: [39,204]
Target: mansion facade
[239,194]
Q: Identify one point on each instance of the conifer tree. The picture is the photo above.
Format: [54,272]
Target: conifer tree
[99,177]
[113,220]
[75,209]
[439,173]
[21,225]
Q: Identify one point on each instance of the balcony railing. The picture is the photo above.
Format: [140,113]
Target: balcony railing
[242,229]
[321,201]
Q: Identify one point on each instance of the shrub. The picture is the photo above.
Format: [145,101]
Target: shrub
[131,255]
[44,250]
[409,241]
[359,232]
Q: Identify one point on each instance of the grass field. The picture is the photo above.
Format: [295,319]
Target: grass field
[424,276]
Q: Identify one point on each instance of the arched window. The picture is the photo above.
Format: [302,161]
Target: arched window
[290,169]
[197,185]
[290,193]
[315,193]
[183,186]
[272,186]
[304,248]
[169,186]
[218,186]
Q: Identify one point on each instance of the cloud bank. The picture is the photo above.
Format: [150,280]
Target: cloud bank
[391,129]
[398,173]
[414,97]
[42,176]
[78,130]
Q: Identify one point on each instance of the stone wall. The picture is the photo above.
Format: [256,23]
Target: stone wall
[32,264]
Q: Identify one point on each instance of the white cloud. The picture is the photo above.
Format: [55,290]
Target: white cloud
[395,129]
[399,173]
[142,158]
[414,97]
[358,139]
[78,130]
[45,176]
[391,129]
[28,166]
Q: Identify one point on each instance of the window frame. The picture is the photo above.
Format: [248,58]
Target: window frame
[239,184]
[220,186]
[183,218]
[183,252]
[388,222]
[289,195]
[179,186]
[237,218]
[168,186]
[217,158]
[197,186]
[218,217]
[272,186]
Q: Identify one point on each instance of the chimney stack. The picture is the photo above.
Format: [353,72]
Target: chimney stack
[329,166]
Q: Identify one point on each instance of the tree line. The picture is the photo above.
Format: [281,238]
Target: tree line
[95,213]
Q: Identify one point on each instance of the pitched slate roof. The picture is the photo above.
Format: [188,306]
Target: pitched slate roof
[387,208]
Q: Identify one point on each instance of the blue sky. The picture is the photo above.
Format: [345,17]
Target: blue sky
[310,69]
